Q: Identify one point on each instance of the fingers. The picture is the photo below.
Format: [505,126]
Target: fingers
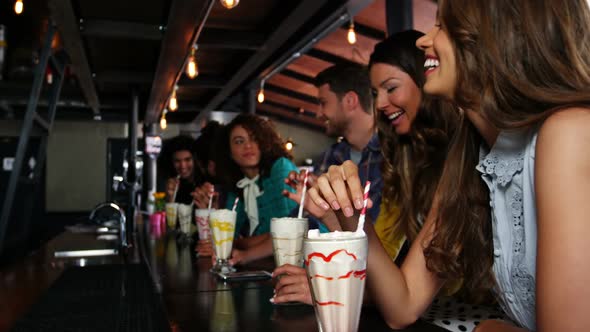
[288,269]
[339,186]
[351,176]
[291,288]
[315,197]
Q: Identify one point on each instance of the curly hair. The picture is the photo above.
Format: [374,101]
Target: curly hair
[412,163]
[269,142]
[170,147]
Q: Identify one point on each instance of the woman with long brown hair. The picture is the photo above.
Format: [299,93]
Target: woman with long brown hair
[414,133]
[519,71]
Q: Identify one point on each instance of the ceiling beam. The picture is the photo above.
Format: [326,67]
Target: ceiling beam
[185,21]
[145,78]
[63,15]
[329,57]
[290,93]
[296,19]
[215,38]
[212,38]
[121,29]
[298,76]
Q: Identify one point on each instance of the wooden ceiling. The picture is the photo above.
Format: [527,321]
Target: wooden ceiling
[117,47]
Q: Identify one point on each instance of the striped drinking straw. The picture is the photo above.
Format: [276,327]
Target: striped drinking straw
[235,204]
[361,223]
[211,193]
[300,214]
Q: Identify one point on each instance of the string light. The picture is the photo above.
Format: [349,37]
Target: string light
[351,36]
[192,70]
[163,122]
[18,7]
[229,4]
[289,145]
[173,104]
[261,92]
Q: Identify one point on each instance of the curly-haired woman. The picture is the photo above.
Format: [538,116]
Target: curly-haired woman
[254,169]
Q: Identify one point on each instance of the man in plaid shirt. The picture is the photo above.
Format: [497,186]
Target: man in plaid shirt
[346,106]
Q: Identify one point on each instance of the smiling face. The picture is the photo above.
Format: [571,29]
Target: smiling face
[244,149]
[183,163]
[331,111]
[397,98]
[440,66]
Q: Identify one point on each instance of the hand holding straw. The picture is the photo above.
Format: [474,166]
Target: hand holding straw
[361,223]
[211,193]
[235,204]
[300,214]
[176,188]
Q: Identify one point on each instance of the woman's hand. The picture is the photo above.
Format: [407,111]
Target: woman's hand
[171,186]
[340,190]
[292,285]
[201,195]
[239,257]
[295,180]
[204,248]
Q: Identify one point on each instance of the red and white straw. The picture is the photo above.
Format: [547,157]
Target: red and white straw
[235,204]
[300,214]
[211,193]
[361,223]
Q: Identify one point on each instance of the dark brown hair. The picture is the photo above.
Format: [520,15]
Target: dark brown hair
[264,134]
[412,163]
[517,63]
[348,77]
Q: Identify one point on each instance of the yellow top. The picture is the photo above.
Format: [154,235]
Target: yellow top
[393,239]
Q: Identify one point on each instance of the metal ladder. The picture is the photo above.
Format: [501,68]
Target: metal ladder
[57,62]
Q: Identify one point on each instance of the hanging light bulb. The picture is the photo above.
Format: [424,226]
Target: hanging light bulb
[173,104]
[351,36]
[192,70]
[163,122]
[289,145]
[261,93]
[229,4]
[18,7]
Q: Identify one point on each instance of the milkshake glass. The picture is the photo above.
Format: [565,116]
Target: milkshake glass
[171,214]
[223,225]
[185,212]
[287,240]
[336,266]
[202,221]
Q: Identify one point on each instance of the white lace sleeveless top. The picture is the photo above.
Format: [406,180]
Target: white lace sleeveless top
[509,171]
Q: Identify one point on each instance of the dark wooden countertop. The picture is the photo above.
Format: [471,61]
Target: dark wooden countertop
[193,298]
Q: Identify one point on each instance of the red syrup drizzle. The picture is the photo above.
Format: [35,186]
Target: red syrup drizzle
[329,303]
[328,259]
[356,274]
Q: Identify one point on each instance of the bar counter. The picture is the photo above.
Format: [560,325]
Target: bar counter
[193,298]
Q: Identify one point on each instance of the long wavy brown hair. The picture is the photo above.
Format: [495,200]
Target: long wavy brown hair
[412,163]
[517,63]
[264,134]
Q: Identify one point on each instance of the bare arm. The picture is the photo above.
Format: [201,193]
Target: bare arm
[258,247]
[562,186]
[403,294]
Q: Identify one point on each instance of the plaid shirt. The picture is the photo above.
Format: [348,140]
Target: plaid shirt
[271,204]
[369,168]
